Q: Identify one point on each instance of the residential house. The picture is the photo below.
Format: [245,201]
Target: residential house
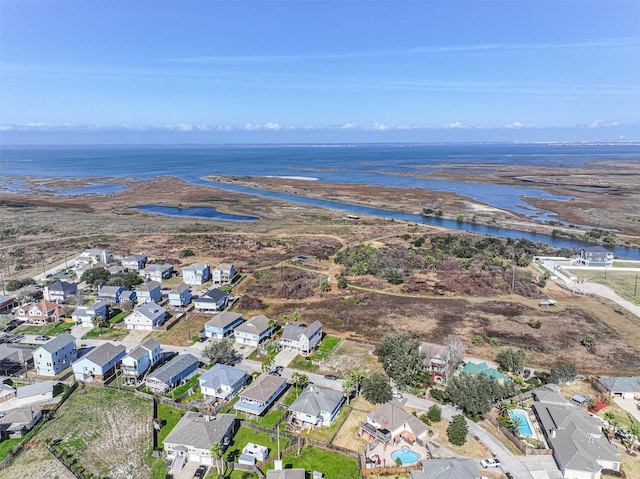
[93,256]
[112,294]
[17,422]
[172,374]
[39,313]
[580,449]
[149,292]
[196,274]
[83,315]
[6,392]
[191,439]
[116,269]
[180,296]
[146,316]
[259,395]
[390,423]
[222,324]
[254,331]
[222,381]
[595,256]
[7,303]
[83,268]
[55,355]
[316,406]
[436,360]
[134,262]
[473,369]
[451,468]
[98,364]
[301,338]
[15,357]
[140,360]
[224,273]
[281,473]
[157,272]
[622,387]
[213,300]
[59,291]
[36,392]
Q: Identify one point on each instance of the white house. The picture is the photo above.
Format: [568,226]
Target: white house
[213,300]
[222,381]
[93,256]
[224,273]
[157,272]
[141,359]
[148,292]
[316,406]
[59,291]
[622,387]
[55,355]
[147,316]
[83,315]
[253,331]
[135,261]
[39,313]
[301,338]
[196,274]
[180,296]
[99,363]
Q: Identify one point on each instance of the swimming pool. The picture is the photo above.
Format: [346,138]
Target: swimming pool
[525,428]
[406,455]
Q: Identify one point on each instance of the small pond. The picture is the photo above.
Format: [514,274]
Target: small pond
[204,212]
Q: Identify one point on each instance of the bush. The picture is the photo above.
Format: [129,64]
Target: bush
[495,342]
[477,340]
[434,413]
[437,394]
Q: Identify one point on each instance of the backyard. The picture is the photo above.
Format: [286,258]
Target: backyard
[331,464]
[50,329]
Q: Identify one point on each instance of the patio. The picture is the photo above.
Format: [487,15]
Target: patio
[383,458]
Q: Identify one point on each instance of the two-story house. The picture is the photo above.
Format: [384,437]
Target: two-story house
[595,256]
[115,294]
[140,360]
[39,313]
[59,291]
[302,338]
[224,273]
[94,256]
[157,272]
[213,300]
[254,331]
[222,324]
[98,364]
[196,274]
[172,374]
[436,360]
[55,355]
[260,394]
[134,262]
[147,316]
[83,315]
[316,406]
[180,296]
[149,292]
[390,423]
[222,381]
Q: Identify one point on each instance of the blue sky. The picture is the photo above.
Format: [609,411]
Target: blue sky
[279,72]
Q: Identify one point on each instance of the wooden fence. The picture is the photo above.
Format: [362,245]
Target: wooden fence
[516,442]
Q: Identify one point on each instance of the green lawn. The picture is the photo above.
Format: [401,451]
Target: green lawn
[118,317]
[193,381]
[326,346]
[51,329]
[246,435]
[331,464]
[268,420]
[171,416]
[7,445]
[115,334]
[324,434]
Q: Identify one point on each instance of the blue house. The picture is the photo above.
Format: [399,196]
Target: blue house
[99,364]
[180,296]
[141,360]
[115,294]
[222,381]
[261,394]
[172,374]
[212,300]
[222,324]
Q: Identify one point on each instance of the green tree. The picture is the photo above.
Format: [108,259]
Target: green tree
[216,451]
[356,376]
[504,408]
[562,373]
[221,352]
[516,423]
[634,430]
[477,394]
[588,341]
[477,340]
[402,359]
[511,359]
[457,430]
[376,388]
[95,276]
[266,364]
[348,388]
[434,413]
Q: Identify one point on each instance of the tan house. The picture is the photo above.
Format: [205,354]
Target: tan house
[390,424]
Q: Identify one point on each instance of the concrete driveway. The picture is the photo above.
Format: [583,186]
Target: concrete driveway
[541,467]
[632,406]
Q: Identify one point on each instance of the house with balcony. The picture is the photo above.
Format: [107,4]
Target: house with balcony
[301,338]
[55,355]
[148,316]
[180,296]
[99,363]
[172,374]
[223,274]
[595,256]
[83,315]
[254,331]
[141,360]
[389,424]
[149,292]
[316,406]
[260,394]
[196,274]
[93,256]
[59,291]
[213,300]
[222,324]
[222,381]
[41,312]
[157,272]
[436,360]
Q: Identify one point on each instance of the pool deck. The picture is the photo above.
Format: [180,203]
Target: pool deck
[533,425]
[387,460]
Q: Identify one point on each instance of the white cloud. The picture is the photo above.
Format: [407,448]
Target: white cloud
[455,124]
[602,124]
[515,125]
[269,126]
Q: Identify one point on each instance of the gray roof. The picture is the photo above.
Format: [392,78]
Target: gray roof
[286,474]
[221,374]
[293,331]
[170,370]
[148,286]
[35,389]
[621,384]
[138,353]
[58,342]
[224,319]
[263,388]
[151,344]
[196,267]
[20,416]
[105,353]
[179,289]
[454,468]
[151,310]
[433,350]
[393,414]
[578,443]
[213,295]
[200,431]
[62,286]
[255,325]
[315,399]
[20,353]
[158,267]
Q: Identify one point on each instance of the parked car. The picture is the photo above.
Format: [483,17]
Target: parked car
[42,338]
[491,462]
[622,434]
[277,371]
[200,472]
[333,377]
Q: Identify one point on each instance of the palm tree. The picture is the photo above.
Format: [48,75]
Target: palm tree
[266,364]
[295,377]
[216,450]
[272,324]
[504,409]
[634,430]
[296,316]
[348,388]
[517,423]
[610,418]
[356,377]
[303,381]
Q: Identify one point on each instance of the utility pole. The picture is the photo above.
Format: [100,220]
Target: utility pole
[635,288]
